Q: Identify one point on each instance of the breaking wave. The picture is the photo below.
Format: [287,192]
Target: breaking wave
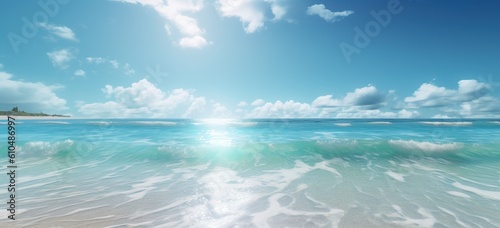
[426,146]
[445,123]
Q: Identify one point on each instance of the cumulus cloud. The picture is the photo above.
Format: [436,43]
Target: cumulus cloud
[60,58]
[251,12]
[79,73]
[366,97]
[483,107]
[143,99]
[258,102]
[60,31]
[289,109]
[326,14]
[193,42]
[242,104]
[377,114]
[175,12]
[278,10]
[220,111]
[30,96]
[429,95]
[197,107]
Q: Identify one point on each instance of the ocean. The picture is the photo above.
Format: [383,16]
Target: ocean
[254,173]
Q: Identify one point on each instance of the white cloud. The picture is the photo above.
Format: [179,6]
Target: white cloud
[197,107]
[470,100]
[429,95]
[174,11]
[326,101]
[60,31]
[440,116]
[320,10]
[366,97]
[193,42]
[251,12]
[79,73]
[289,109]
[377,114]
[220,111]
[278,11]
[96,60]
[484,107]
[408,114]
[242,104]
[115,64]
[128,70]
[143,99]
[61,57]
[30,96]
[258,102]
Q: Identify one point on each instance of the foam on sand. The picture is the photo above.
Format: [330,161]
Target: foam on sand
[458,194]
[396,176]
[483,193]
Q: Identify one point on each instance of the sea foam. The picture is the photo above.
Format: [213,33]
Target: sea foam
[426,146]
[45,148]
[445,123]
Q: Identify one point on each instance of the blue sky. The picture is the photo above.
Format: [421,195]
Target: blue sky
[251,58]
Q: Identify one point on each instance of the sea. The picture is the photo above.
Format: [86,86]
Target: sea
[253,173]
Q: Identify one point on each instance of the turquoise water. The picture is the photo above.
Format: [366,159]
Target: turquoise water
[256,173]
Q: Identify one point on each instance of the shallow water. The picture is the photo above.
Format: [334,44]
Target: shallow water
[256,173]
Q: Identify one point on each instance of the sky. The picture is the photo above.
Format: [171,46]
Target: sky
[251,58]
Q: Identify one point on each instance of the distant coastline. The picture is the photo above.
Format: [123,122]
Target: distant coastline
[29,114]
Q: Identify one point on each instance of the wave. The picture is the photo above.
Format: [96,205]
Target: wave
[380,122]
[494,122]
[154,123]
[426,146]
[252,152]
[45,148]
[101,123]
[52,122]
[343,124]
[445,123]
